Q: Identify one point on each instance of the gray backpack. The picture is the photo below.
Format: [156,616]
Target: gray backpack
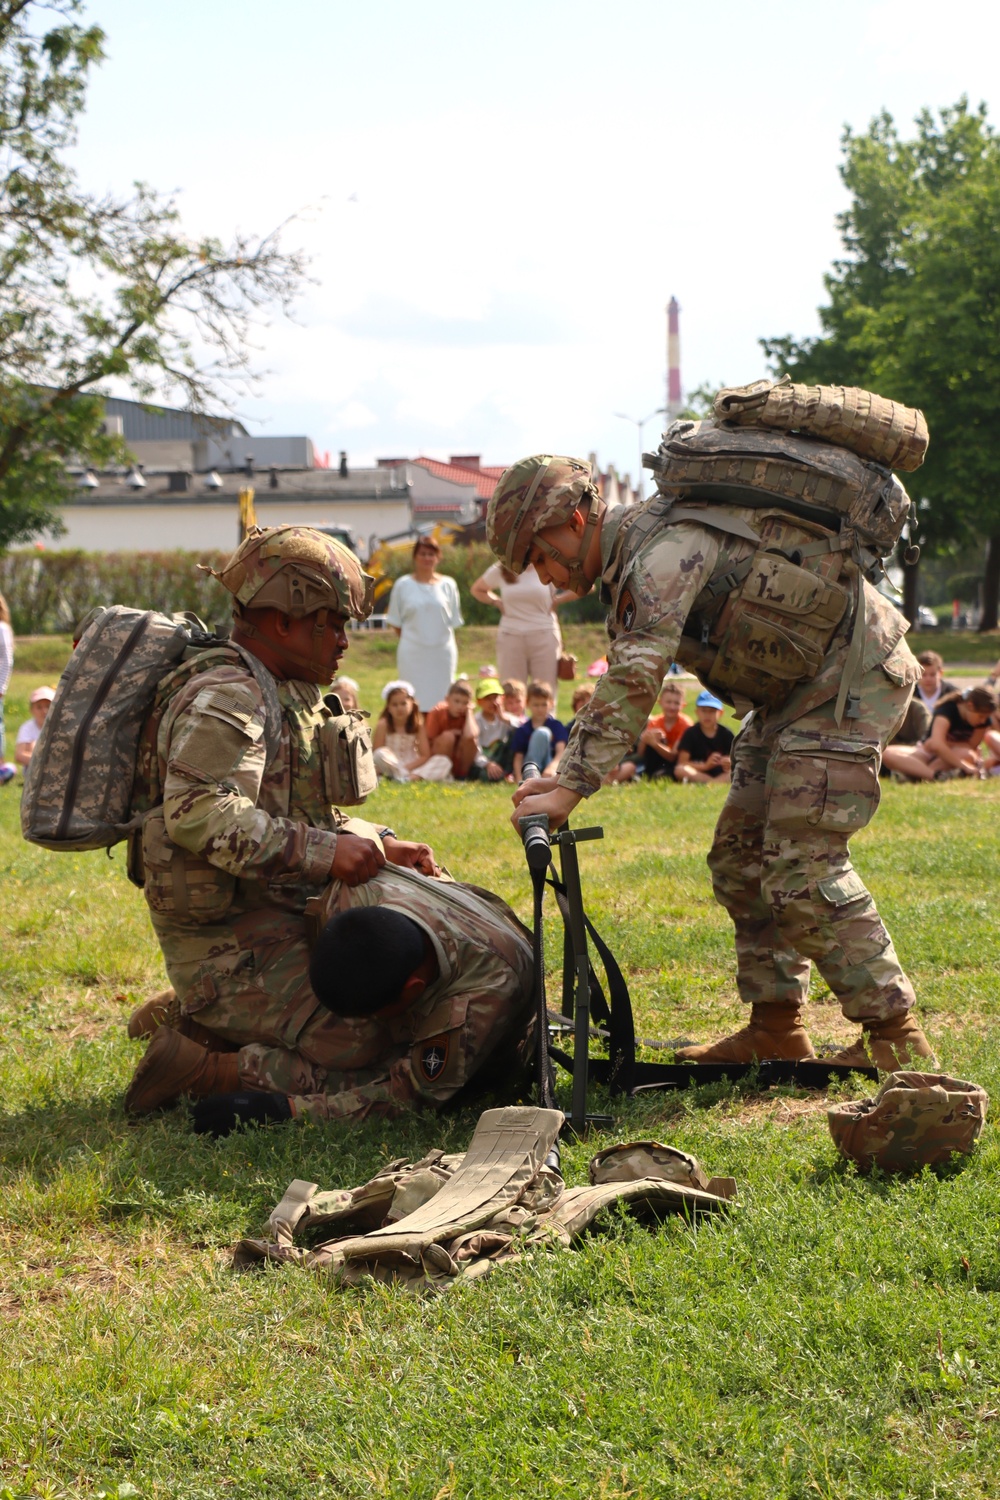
[78,786]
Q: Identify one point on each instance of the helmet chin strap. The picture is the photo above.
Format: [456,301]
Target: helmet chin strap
[577,579]
[313,663]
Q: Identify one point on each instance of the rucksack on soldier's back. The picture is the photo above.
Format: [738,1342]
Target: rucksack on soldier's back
[78,785]
[80,789]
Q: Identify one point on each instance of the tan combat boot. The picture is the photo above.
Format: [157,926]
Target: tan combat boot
[893,1045]
[175,1065]
[774,1030]
[159,1010]
[164,1010]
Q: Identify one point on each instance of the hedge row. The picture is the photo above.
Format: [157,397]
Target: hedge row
[49,591]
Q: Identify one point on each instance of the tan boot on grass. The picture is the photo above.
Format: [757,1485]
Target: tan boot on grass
[892,1046]
[176,1065]
[162,1009]
[773,1031]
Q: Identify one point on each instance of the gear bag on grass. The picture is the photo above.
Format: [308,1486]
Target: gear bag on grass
[78,785]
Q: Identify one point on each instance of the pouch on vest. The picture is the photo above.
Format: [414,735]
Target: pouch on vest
[349,774]
[776,631]
[180,884]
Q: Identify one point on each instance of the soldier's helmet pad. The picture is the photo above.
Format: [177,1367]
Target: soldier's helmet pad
[298,571]
[915,1120]
[536,492]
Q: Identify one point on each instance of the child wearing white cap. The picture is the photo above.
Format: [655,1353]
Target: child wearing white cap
[27,735]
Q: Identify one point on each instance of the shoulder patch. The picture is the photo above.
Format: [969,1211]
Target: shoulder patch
[433,1056]
[234,705]
[626,609]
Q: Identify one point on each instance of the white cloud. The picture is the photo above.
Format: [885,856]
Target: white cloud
[354,414]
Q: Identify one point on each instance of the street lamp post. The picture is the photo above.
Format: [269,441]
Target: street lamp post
[639,423]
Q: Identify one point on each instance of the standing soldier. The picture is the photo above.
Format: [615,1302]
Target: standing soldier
[240,766]
[804,771]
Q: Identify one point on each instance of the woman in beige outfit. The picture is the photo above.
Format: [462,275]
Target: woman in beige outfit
[528,636]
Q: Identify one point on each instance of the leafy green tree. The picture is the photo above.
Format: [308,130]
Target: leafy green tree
[914,312]
[97,289]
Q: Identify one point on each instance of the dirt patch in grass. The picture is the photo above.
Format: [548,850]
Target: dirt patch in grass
[760,1108]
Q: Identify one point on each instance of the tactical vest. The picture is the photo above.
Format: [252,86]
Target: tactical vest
[179,883]
[759,628]
[446,1220]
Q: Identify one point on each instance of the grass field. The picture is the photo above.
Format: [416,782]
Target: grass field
[836,1337]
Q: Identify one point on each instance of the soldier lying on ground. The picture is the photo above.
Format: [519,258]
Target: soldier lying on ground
[418,986]
[243,763]
[804,774]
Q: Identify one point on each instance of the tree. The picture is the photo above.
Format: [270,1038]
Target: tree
[914,312]
[93,289]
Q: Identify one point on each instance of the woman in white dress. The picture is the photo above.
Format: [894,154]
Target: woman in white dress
[400,740]
[425,610]
[528,637]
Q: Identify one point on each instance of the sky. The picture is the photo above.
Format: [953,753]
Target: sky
[499,201]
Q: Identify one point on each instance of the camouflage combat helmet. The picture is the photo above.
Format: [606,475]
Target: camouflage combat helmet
[536,492]
[299,571]
[915,1120]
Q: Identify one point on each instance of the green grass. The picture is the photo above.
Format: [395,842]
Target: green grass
[835,1337]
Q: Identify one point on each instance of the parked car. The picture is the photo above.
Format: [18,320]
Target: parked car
[926,618]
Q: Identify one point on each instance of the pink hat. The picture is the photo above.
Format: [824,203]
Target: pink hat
[42,695]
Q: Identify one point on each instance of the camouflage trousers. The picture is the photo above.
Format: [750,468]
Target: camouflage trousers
[247,980]
[780,860]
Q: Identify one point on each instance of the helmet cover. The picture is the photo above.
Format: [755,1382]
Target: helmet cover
[915,1120]
[536,492]
[299,571]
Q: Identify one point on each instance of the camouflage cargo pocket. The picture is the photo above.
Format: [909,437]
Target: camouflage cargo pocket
[824,784]
[852,912]
[180,884]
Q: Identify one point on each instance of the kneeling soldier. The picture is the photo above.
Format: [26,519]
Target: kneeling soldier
[243,768]
[420,985]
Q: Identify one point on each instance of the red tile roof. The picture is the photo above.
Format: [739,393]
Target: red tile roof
[484,479]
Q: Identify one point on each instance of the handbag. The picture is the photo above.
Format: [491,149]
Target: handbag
[566,669]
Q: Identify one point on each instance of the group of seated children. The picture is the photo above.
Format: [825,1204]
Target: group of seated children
[511,726]
[674,747]
[946,732]
[453,740]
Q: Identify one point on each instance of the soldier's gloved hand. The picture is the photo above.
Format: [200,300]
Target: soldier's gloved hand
[221,1113]
[410,855]
[356,860]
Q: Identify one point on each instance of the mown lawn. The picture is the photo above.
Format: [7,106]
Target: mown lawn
[835,1337]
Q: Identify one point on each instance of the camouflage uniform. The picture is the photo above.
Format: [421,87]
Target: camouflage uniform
[241,830]
[473,1019]
[801,782]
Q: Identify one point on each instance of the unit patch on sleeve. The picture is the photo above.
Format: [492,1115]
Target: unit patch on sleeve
[434,1056]
[626,609]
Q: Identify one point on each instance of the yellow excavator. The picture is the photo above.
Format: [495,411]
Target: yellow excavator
[379,563]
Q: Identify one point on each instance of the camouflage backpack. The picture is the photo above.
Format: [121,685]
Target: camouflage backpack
[823,508]
[78,786]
